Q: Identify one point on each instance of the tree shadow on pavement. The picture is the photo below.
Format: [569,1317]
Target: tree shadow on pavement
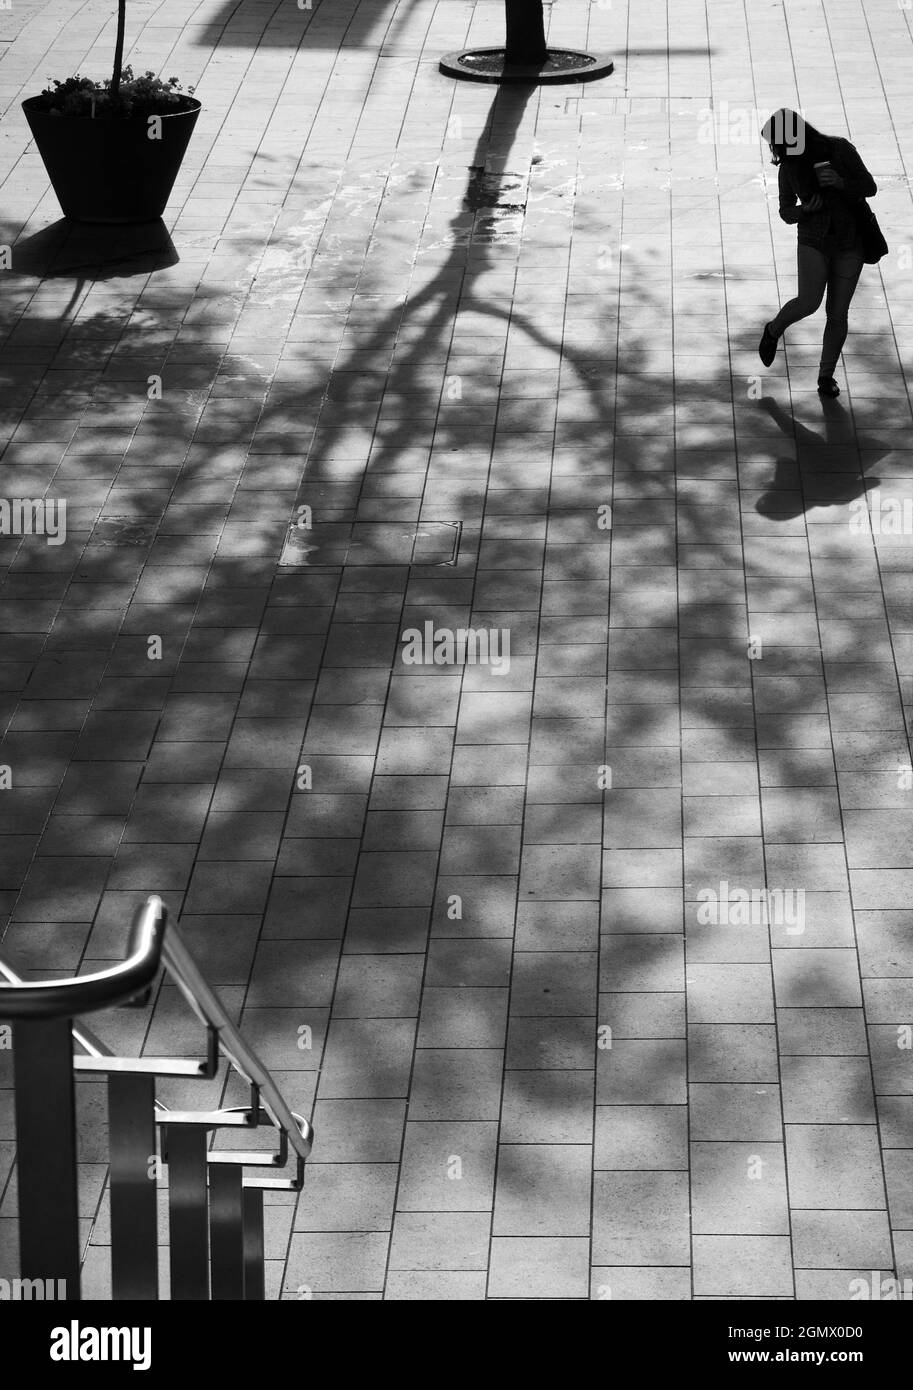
[181,517]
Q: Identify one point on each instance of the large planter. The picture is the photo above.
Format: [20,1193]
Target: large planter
[109,170]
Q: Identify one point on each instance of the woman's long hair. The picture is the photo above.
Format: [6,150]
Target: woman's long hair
[793,139]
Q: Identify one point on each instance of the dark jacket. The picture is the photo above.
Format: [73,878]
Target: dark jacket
[834,225]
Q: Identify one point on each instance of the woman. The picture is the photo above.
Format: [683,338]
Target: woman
[821,201]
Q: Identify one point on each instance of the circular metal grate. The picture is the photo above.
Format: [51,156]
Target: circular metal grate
[558,60]
[560,65]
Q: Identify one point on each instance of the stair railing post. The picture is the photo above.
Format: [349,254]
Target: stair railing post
[226,1231]
[133,1186]
[254,1255]
[188,1203]
[49,1244]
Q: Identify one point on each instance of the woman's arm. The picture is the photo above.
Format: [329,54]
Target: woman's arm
[792,207]
[857,181]
[789,211]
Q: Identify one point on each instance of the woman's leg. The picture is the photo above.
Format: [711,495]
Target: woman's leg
[812,283]
[843,277]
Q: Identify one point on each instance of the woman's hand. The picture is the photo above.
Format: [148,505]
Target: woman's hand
[829,178]
[812,204]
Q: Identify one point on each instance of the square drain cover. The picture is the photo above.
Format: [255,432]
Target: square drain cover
[122,530]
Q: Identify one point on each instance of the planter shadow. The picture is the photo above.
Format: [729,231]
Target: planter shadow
[71,249]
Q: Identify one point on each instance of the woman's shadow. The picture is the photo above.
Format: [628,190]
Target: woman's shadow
[829,466]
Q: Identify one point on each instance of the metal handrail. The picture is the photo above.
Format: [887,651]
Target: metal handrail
[87,1040]
[45,999]
[98,1052]
[52,998]
[209,1010]
[215,1209]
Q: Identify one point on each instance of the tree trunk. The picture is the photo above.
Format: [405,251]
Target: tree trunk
[119,46]
[525,33]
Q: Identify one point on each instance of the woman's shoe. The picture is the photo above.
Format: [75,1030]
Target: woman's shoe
[827,386]
[767,348]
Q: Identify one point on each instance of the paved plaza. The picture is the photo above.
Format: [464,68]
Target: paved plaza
[592,962]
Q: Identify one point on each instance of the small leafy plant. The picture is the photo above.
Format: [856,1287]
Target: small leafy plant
[143,96]
[123,94]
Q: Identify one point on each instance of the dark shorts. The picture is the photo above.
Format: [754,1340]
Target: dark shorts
[831,248]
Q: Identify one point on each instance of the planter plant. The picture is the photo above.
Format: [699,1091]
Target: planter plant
[112,149]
